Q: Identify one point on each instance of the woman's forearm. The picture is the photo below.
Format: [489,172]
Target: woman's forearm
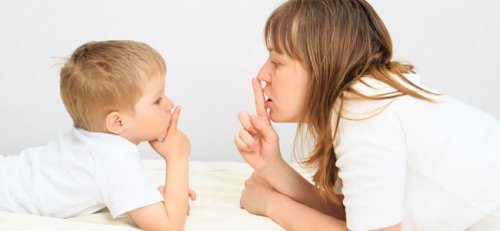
[289,182]
[293,215]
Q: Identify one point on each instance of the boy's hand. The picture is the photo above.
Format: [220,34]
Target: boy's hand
[176,143]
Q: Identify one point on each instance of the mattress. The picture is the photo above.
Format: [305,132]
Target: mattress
[218,186]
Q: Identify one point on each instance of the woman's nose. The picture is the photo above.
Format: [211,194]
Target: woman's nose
[265,73]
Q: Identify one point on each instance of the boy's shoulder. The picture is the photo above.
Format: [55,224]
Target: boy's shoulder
[103,145]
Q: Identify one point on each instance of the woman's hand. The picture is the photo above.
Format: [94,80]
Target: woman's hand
[175,144]
[257,195]
[258,142]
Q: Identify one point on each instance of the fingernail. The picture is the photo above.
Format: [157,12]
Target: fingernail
[263,84]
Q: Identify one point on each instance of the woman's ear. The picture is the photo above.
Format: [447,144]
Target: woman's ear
[114,123]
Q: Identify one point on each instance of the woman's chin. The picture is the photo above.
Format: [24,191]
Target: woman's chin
[278,118]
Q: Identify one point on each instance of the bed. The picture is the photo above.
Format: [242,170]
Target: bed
[218,185]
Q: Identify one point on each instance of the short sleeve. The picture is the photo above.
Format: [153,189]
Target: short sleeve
[124,186]
[371,157]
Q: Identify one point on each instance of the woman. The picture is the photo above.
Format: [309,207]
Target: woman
[388,153]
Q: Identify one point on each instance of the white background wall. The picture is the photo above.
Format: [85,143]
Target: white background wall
[213,48]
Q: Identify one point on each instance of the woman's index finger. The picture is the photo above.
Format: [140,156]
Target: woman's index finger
[259,98]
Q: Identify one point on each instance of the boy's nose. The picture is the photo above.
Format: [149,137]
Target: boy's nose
[169,105]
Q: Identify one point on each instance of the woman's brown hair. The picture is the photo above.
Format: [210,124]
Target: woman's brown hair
[337,42]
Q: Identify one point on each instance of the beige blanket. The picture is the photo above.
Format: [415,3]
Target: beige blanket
[218,185]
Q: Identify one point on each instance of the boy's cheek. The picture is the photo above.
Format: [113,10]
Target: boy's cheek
[167,124]
[163,134]
[165,131]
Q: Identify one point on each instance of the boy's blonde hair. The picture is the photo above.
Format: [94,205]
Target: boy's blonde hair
[106,76]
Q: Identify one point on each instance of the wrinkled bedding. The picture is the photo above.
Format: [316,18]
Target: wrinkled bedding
[218,185]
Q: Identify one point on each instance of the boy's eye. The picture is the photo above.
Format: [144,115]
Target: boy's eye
[158,101]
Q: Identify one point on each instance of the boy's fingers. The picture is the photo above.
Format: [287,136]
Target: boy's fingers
[246,123]
[192,194]
[161,189]
[154,143]
[175,119]
[259,98]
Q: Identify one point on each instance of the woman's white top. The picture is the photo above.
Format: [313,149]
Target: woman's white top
[80,173]
[428,166]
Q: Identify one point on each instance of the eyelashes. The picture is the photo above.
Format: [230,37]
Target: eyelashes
[158,101]
[275,64]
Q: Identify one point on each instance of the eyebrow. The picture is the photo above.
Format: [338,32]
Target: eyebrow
[160,91]
[277,56]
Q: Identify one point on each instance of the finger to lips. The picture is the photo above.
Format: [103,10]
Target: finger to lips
[259,98]
[175,119]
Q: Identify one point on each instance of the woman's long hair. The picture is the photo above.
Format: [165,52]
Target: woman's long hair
[337,42]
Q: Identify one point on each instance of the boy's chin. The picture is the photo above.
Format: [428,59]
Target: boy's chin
[159,137]
[162,136]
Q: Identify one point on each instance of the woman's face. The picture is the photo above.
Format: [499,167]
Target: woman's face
[285,88]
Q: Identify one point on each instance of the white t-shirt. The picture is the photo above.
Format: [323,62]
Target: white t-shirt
[428,166]
[81,173]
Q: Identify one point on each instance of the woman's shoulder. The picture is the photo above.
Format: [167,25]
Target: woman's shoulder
[368,97]
[372,87]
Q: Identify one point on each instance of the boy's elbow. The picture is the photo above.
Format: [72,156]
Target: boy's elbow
[163,227]
[156,218]
[176,224]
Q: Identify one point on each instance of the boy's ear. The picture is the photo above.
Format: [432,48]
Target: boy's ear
[114,123]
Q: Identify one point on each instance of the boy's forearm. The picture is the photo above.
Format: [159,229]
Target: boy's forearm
[177,191]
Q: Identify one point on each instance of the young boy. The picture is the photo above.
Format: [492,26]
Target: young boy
[114,92]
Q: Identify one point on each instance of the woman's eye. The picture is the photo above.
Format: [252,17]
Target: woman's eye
[275,64]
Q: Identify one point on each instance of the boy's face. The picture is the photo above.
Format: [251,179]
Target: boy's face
[152,116]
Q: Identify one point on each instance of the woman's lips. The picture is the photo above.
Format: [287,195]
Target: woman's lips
[268,103]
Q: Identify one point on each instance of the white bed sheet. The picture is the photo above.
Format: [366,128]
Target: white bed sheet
[218,185]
